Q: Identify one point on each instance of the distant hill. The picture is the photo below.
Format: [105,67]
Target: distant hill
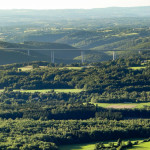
[109,39]
[78,13]
[36,45]
[16,56]
[98,29]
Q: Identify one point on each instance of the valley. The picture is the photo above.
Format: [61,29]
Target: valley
[75,79]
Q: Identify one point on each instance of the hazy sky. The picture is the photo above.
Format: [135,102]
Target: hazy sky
[63,4]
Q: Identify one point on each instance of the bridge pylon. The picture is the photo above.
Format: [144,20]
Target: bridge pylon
[52,56]
[114,56]
[28,52]
[82,57]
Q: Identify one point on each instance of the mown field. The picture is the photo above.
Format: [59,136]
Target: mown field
[26,68]
[137,68]
[72,68]
[29,68]
[49,90]
[123,105]
[78,147]
[141,146]
[91,146]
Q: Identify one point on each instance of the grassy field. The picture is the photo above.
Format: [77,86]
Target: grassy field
[143,66]
[137,68]
[125,34]
[78,147]
[71,68]
[56,90]
[122,105]
[1,90]
[28,68]
[86,146]
[91,146]
[141,146]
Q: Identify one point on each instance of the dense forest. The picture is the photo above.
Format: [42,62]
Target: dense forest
[112,81]
[39,120]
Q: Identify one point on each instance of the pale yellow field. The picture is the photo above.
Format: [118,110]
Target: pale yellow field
[26,68]
[125,34]
[137,68]
[49,90]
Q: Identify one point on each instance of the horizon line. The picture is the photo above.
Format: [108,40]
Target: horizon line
[73,8]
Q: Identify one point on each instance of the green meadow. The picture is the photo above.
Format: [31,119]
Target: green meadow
[122,105]
[26,68]
[91,146]
[78,147]
[141,146]
[49,90]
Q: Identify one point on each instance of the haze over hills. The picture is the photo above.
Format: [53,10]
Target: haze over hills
[27,16]
[124,28]
[78,13]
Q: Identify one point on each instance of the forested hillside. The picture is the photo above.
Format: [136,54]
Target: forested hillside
[114,81]
[112,38]
[95,34]
[119,38]
[48,119]
[126,30]
[17,55]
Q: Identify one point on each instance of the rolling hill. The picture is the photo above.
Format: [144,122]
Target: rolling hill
[15,56]
[109,39]
[77,13]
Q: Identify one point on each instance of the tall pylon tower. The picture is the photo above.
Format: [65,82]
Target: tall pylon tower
[52,56]
[82,57]
[28,52]
[114,56]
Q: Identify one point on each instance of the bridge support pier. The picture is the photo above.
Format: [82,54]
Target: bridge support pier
[82,57]
[28,52]
[114,55]
[52,56]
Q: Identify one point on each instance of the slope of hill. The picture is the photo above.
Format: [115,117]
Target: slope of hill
[109,39]
[15,56]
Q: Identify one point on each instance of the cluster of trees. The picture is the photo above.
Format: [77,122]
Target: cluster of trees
[119,145]
[32,134]
[60,106]
[112,81]
[44,120]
